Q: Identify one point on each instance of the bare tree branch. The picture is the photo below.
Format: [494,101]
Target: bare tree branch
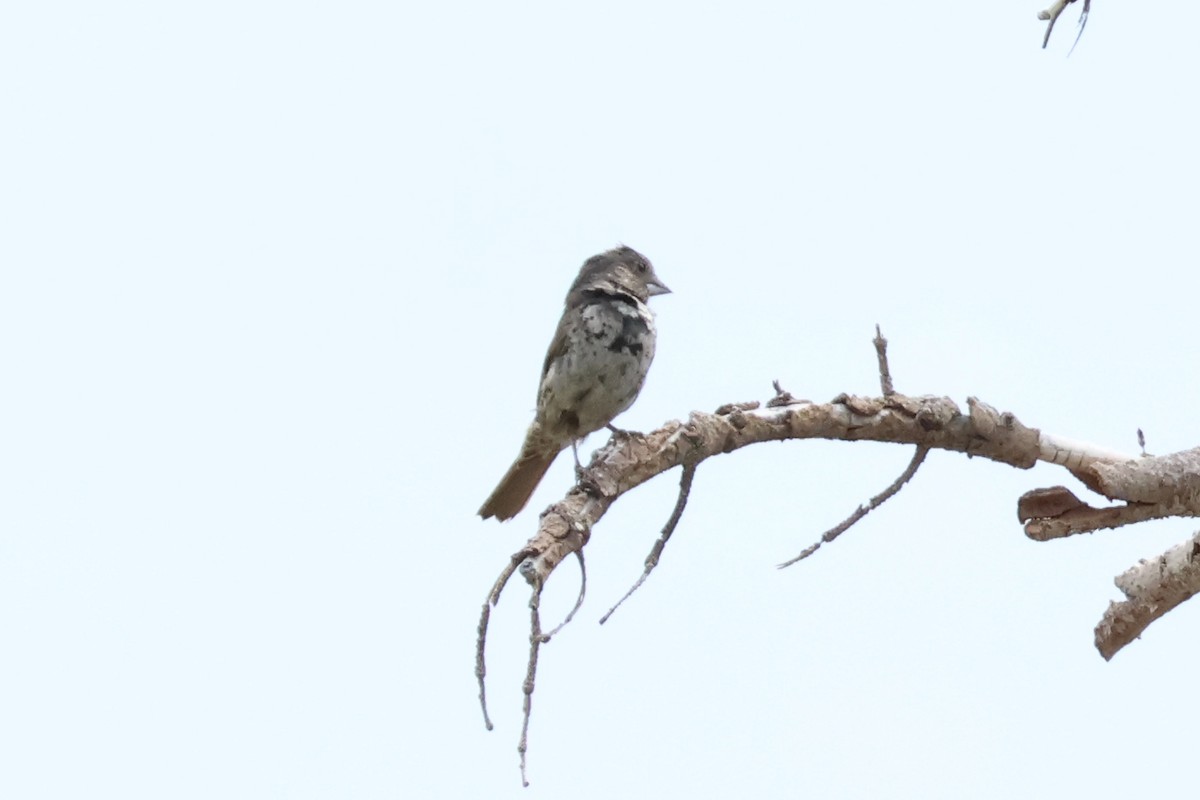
[1149,487]
[493,597]
[933,422]
[685,488]
[860,512]
[1173,479]
[885,374]
[535,642]
[578,600]
[1051,15]
[1086,519]
[1152,588]
[885,385]
[1154,487]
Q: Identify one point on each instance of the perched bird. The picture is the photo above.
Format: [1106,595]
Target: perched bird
[594,368]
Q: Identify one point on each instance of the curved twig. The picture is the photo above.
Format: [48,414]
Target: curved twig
[860,512]
[493,597]
[685,488]
[1051,15]
[578,600]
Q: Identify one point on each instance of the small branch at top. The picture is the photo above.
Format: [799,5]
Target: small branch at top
[885,374]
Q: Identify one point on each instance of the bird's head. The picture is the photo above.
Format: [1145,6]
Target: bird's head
[621,270]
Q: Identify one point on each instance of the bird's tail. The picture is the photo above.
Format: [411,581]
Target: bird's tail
[517,485]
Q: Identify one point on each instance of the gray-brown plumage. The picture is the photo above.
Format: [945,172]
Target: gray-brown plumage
[594,368]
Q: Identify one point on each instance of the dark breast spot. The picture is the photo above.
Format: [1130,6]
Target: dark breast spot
[631,337]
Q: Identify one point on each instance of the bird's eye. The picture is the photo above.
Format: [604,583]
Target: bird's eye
[641,267]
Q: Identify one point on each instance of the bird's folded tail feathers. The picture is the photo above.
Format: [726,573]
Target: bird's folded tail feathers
[518,484]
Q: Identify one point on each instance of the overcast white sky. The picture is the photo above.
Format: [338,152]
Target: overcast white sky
[278,281]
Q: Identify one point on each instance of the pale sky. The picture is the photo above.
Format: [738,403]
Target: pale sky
[278,284]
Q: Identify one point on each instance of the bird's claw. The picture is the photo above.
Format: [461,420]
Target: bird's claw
[583,479]
[620,433]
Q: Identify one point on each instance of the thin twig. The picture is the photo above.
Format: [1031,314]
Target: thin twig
[685,488]
[578,600]
[535,641]
[782,397]
[1083,18]
[885,375]
[481,637]
[860,512]
[1051,15]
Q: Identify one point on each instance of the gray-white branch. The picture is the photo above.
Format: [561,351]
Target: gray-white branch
[1149,488]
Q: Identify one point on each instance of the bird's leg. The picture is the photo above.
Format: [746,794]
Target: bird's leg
[579,470]
[583,478]
[583,475]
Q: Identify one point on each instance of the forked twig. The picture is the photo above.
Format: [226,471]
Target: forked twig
[493,597]
[860,512]
[536,639]
[685,488]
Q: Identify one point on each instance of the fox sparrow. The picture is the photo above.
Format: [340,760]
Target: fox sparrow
[594,368]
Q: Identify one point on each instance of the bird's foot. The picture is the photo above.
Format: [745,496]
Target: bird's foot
[585,484]
[583,475]
[621,434]
[579,470]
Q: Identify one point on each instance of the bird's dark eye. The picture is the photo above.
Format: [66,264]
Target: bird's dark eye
[641,267]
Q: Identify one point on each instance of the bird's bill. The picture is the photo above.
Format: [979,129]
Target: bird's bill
[654,287]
